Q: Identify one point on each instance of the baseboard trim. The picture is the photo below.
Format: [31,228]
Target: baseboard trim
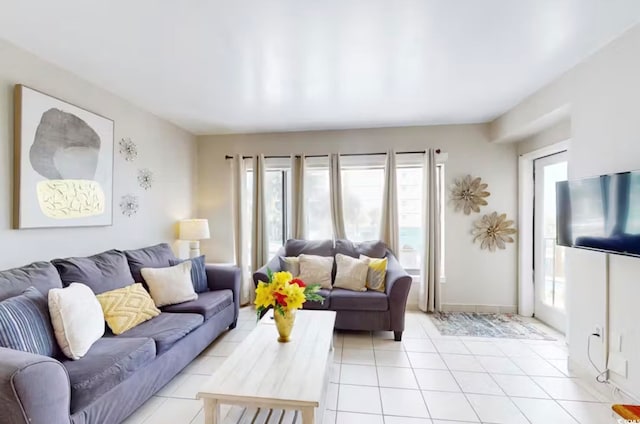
[481,309]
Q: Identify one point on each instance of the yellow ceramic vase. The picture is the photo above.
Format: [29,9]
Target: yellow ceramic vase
[284,324]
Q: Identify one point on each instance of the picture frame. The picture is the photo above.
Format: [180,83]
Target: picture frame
[63,163]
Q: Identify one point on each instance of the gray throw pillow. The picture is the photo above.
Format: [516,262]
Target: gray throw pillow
[25,324]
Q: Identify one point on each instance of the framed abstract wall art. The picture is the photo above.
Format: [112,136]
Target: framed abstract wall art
[63,163]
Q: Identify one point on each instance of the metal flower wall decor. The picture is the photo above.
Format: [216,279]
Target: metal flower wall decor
[468,193]
[129,205]
[493,230]
[145,178]
[128,149]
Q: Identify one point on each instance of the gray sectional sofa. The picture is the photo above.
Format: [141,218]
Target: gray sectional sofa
[119,373]
[368,311]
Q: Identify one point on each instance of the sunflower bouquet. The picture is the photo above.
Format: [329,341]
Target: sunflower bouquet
[284,293]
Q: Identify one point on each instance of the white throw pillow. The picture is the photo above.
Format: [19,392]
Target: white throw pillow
[171,285]
[77,319]
[316,270]
[351,273]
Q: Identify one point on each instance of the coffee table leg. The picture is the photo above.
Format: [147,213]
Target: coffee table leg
[212,412]
[308,415]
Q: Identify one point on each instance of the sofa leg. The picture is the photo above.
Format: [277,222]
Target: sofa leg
[397,336]
[233,325]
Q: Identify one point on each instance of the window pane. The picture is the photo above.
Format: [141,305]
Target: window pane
[317,206]
[410,217]
[274,203]
[362,202]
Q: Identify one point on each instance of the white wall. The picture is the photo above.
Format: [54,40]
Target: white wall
[474,277]
[165,149]
[604,97]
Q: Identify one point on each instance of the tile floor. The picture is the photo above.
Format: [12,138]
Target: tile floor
[425,379]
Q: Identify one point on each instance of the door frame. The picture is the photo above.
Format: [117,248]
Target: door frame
[526,292]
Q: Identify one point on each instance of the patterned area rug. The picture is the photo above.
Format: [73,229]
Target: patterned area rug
[486,325]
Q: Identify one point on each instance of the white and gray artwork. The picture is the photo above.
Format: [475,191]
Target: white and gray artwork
[65,166]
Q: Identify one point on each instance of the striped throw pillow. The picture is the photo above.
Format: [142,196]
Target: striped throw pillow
[25,324]
[198,273]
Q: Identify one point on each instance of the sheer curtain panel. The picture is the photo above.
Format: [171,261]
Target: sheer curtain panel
[259,239]
[241,229]
[337,217]
[389,229]
[297,197]
[430,293]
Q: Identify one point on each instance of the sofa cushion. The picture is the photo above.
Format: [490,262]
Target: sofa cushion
[166,329]
[347,300]
[198,273]
[127,307]
[41,275]
[170,285]
[294,247]
[109,361]
[317,305]
[372,249]
[77,319]
[102,272]
[207,304]
[158,256]
[25,324]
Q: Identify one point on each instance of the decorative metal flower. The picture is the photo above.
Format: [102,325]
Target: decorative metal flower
[145,178]
[128,149]
[129,205]
[468,194]
[493,231]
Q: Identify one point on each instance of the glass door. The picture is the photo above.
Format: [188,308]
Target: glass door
[549,259]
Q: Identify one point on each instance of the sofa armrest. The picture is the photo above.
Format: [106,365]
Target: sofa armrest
[398,284]
[220,277]
[34,389]
[273,265]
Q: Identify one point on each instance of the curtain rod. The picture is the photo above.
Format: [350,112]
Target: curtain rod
[344,154]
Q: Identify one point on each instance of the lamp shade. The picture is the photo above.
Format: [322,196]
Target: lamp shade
[194,229]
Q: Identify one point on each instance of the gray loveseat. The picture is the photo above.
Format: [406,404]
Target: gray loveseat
[368,311]
[119,373]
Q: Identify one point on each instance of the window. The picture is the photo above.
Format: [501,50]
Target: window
[317,205]
[410,201]
[362,191]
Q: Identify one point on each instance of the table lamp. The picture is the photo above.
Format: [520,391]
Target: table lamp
[194,230]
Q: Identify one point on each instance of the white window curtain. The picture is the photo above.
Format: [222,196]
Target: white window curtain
[259,239]
[298,218]
[389,229]
[241,226]
[337,218]
[429,295]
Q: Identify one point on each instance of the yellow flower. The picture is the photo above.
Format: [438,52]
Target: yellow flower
[264,295]
[295,296]
[281,278]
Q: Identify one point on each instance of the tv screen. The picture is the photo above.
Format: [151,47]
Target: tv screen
[600,213]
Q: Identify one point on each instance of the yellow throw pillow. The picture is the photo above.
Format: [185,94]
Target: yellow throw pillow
[127,307]
[377,273]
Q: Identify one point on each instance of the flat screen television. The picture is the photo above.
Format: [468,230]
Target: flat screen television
[600,213]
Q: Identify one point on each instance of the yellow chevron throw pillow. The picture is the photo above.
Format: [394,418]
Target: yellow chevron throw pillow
[127,307]
[377,273]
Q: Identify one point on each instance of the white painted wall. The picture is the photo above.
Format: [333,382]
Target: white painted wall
[474,277]
[165,149]
[604,97]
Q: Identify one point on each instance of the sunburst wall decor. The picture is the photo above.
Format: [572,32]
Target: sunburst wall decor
[468,193]
[493,230]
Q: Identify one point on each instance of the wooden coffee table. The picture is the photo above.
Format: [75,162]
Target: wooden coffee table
[273,380]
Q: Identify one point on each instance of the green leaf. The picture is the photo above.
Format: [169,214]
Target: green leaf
[270,274]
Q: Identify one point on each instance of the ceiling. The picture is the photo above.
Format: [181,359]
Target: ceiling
[213,66]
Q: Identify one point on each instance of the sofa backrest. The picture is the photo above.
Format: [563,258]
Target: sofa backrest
[295,247]
[158,256]
[41,275]
[102,272]
[372,249]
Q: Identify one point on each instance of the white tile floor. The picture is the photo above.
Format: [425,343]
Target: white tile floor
[425,379]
